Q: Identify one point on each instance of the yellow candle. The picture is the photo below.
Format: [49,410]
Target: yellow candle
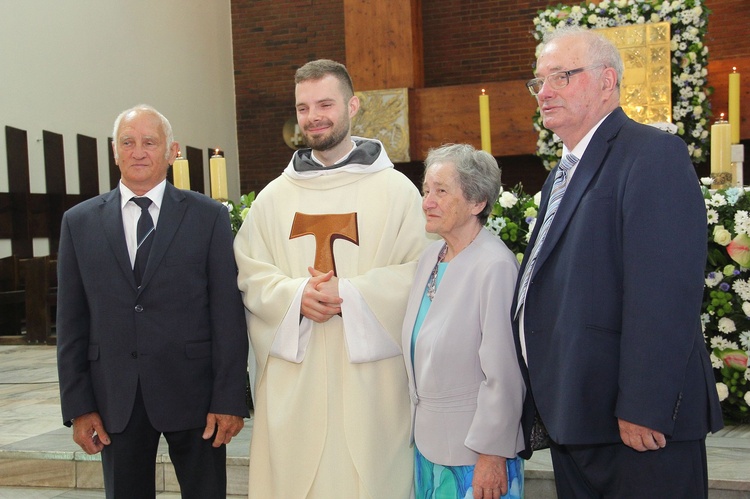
[484,122]
[734,105]
[721,147]
[181,173]
[218,167]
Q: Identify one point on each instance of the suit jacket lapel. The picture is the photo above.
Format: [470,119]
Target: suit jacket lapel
[585,171]
[170,215]
[111,213]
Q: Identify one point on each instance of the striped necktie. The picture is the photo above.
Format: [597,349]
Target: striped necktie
[558,189]
[145,238]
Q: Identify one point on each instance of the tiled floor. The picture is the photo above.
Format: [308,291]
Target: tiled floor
[30,424]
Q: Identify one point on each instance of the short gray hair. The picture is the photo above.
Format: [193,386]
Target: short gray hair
[145,108]
[600,49]
[478,173]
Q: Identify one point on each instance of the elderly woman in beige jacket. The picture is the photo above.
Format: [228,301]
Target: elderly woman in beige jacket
[465,384]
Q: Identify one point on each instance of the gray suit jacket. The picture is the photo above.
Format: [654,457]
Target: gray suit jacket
[465,384]
[182,335]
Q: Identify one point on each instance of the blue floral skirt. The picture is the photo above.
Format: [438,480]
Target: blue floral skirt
[435,481]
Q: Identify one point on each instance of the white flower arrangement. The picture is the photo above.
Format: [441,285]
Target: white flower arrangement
[726,300]
[691,110]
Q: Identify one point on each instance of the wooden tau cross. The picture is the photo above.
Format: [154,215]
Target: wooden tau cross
[326,229]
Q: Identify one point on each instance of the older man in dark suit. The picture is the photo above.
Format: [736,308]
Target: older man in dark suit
[151,330]
[607,312]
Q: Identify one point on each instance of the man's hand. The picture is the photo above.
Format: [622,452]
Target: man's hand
[639,437]
[89,433]
[320,298]
[490,477]
[225,426]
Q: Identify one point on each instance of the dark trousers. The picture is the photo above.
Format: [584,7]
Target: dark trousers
[129,462]
[617,471]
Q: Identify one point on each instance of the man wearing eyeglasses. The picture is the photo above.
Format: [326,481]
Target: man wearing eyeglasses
[608,300]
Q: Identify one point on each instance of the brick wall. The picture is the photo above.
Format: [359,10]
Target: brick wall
[271,39]
[483,40]
[464,42]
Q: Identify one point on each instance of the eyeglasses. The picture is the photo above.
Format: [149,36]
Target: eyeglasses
[557,80]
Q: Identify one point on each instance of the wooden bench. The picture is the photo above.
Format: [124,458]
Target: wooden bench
[28,300]
[12,301]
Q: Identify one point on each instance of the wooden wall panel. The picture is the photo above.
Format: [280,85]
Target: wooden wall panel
[384,43]
[451,114]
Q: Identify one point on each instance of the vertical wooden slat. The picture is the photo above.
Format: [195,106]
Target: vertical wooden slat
[88,166]
[195,160]
[114,170]
[54,171]
[17,151]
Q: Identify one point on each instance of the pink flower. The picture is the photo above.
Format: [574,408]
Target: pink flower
[735,359]
[739,250]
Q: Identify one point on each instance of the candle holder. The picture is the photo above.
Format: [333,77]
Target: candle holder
[738,164]
[721,180]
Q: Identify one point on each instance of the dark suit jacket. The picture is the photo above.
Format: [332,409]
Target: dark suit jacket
[612,314]
[182,334]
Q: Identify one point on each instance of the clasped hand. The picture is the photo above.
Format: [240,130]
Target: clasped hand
[320,298]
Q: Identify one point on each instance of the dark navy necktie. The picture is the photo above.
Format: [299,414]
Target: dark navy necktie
[145,238]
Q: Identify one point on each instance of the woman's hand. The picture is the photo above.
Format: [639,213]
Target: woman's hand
[490,477]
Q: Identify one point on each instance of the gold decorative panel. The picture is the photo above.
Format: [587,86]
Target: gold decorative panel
[646,87]
[384,115]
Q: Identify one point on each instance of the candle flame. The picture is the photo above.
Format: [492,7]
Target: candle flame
[482,91]
[216,151]
[721,116]
[734,69]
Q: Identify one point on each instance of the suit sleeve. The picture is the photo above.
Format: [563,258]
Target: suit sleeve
[228,327]
[73,324]
[664,254]
[495,429]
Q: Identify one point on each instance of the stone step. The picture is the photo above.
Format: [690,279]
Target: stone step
[51,460]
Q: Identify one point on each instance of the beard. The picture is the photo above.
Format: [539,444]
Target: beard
[334,137]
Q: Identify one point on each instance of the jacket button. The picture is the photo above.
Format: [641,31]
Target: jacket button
[134,355]
[414,398]
[139,308]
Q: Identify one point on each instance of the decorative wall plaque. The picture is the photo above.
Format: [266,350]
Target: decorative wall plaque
[384,115]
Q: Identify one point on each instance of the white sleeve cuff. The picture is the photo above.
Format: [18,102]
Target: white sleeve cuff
[366,339]
[293,334]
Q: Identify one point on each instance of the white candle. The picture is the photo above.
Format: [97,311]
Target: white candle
[721,147]
[218,167]
[181,173]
